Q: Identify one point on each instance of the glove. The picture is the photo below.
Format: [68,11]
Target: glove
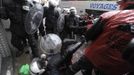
[36,67]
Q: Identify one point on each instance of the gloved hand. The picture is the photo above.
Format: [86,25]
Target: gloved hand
[36,67]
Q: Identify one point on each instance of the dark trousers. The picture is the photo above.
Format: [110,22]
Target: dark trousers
[20,42]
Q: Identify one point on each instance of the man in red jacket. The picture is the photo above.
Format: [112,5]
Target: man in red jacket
[110,36]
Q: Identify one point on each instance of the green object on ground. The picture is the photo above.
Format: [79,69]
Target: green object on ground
[24,70]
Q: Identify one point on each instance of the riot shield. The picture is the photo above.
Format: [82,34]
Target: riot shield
[33,18]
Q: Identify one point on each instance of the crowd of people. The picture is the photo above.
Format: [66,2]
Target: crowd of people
[111,49]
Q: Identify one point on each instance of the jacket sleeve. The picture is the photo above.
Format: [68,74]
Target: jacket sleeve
[3,9]
[41,29]
[95,31]
[60,23]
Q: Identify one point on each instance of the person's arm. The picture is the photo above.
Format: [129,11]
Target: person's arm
[3,9]
[60,23]
[77,21]
[45,11]
[41,29]
[94,31]
[59,59]
[3,13]
[33,44]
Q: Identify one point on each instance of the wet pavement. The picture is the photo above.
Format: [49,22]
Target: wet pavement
[19,61]
[22,60]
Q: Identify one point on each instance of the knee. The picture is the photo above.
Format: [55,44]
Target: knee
[32,43]
[13,42]
[17,43]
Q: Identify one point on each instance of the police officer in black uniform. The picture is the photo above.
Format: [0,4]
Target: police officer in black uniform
[52,13]
[71,21]
[16,11]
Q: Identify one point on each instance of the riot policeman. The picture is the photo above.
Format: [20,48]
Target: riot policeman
[52,13]
[24,24]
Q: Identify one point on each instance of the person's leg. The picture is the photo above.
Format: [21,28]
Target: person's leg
[36,35]
[33,44]
[64,34]
[17,42]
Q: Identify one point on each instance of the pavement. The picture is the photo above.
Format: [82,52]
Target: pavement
[19,61]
